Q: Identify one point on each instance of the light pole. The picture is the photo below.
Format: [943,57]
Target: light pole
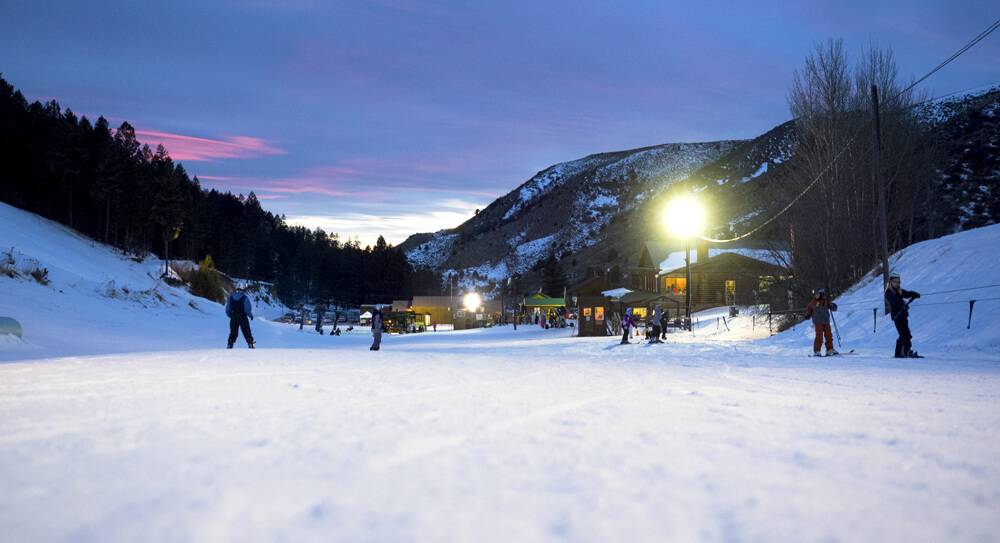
[684,218]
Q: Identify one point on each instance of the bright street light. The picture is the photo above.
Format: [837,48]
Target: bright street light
[684,217]
[472,301]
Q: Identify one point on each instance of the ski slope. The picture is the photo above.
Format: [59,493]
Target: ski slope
[125,420]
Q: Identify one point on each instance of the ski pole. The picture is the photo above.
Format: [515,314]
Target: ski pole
[837,330]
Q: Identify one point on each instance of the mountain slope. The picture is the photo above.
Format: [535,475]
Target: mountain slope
[93,299]
[599,210]
[561,210]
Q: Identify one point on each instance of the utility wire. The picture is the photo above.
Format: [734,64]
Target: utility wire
[982,35]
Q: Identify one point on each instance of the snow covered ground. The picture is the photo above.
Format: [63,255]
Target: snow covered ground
[123,420]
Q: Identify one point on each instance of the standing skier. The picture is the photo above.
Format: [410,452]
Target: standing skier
[238,309]
[819,309]
[376,328]
[654,323]
[899,310]
[664,321]
[626,323]
[319,318]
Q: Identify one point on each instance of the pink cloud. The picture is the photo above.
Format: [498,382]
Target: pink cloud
[194,149]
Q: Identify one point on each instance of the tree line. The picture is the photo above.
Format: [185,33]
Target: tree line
[834,231]
[106,184]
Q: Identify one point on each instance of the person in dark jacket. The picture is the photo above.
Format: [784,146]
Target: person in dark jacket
[240,313]
[819,309]
[376,329]
[626,323]
[899,310]
[319,318]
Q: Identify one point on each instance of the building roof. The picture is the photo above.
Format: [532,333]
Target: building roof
[728,260]
[675,261]
[544,301]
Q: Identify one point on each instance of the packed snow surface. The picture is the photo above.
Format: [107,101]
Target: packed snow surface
[497,435]
[121,421]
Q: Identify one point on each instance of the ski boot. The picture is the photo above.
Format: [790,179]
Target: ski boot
[229,346]
[817,353]
[251,344]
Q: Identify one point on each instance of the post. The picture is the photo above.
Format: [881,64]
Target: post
[880,186]
[971,304]
[874,320]
[687,282]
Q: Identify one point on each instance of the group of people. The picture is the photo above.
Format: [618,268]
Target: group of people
[820,310]
[656,330]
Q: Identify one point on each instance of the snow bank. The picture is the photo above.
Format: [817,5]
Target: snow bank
[946,271]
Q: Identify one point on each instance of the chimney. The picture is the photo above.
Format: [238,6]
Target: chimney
[702,251]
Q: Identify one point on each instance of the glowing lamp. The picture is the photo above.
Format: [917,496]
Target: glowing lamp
[684,217]
[472,301]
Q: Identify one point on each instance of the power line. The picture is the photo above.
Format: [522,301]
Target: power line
[982,35]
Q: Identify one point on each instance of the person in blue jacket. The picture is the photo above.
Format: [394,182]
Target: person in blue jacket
[240,313]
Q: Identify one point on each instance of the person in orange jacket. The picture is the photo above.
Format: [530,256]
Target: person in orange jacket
[819,309]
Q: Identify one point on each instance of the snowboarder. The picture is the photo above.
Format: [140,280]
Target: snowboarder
[819,309]
[899,310]
[376,328]
[319,318]
[654,322]
[238,309]
[626,323]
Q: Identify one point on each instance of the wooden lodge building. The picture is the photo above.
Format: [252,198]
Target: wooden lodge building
[742,277]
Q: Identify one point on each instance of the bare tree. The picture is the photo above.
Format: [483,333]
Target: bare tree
[835,224]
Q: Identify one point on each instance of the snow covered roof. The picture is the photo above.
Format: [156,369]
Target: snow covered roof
[366,315]
[616,292]
[675,260]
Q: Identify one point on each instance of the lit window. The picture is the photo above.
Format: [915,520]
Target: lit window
[675,285]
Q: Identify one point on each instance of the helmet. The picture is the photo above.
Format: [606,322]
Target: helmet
[894,275]
[818,293]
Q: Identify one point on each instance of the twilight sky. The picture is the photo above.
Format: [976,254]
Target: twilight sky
[394,117]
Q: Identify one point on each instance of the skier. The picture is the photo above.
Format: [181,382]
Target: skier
[238,308]
[664,320]
[319,318]
[376,328]
[900,313]
[626,323]
[654,322]
[819,309]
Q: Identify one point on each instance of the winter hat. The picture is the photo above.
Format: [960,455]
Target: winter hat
[894,275]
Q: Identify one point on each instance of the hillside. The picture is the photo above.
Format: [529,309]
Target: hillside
[948,272]
[563,210]
[597,211]
[90,298]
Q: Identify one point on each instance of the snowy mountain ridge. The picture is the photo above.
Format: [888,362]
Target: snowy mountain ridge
[597,211]
[560,210]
